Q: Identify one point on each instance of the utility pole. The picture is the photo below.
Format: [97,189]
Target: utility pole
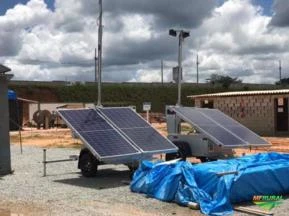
[99,68]
[280,70]
[95,66]
[162,72]
[197,69]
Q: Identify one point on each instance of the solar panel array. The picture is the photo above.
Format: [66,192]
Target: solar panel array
[116,132]
[219,127]
[137,129]
[97,133]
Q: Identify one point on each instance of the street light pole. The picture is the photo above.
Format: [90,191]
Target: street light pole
[197,69]
[99,53]
[280,69]
[162,72]
[180,69]
[182,35]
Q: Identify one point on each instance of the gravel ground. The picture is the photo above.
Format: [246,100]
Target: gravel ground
[65,192]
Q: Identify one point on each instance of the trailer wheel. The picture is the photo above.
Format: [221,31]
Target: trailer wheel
[206,159]
[183,152]
[172,156]
[132,169]
[88,164]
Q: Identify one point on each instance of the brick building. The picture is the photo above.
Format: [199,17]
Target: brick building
[265,112]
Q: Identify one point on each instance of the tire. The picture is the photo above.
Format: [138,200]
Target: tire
[206,159]
[132,169]
[183,152]
[172,156]
[88,164]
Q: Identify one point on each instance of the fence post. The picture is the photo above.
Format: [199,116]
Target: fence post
[44,162]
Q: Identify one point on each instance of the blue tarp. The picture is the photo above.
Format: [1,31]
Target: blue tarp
[11,95]
[182,182]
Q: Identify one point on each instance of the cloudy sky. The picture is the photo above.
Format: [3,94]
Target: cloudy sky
[55,39]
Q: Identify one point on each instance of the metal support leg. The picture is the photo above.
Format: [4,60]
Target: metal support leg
[44,162]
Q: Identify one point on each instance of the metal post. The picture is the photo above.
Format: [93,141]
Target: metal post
[180,68]
[162,72]
[148,117]
[99,53]
[19,126]
[20,140]
[95,71]
[38,109]
[280,69]
[95,66]
[197,69]
[44,162]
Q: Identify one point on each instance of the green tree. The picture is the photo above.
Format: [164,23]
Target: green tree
[284,81]
[225,81]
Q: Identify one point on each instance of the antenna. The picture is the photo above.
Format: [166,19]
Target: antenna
[99,53]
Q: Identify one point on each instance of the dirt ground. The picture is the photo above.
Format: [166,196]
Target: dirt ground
[62,138]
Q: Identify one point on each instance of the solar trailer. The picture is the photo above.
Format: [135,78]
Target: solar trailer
[212,134]
[114,135]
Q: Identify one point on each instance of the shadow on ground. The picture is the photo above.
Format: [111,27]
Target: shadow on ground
[104,179]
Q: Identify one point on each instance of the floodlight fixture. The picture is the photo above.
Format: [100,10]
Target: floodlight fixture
[173,32]
[185,34]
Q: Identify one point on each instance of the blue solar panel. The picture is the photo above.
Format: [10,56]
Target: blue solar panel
[148,139]
[124,117]
[234,126]
[84,120]
[219,127]
[138,130]
[108,143]
[95,132]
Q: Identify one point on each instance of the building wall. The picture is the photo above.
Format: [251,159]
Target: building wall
[255,112]
[53,107]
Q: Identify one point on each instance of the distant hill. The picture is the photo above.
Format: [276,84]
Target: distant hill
[121,94]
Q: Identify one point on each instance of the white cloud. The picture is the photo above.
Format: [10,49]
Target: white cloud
[137,27]
[236,39]
[25,16]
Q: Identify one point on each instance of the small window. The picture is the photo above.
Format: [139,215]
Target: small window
[207,104]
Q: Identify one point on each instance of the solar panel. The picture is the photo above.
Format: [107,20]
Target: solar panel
[136,129]
[124,117]
[219,127]
[230,124]
[102,139]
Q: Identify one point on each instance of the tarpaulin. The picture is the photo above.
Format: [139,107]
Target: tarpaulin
[183,182]
[11,95]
